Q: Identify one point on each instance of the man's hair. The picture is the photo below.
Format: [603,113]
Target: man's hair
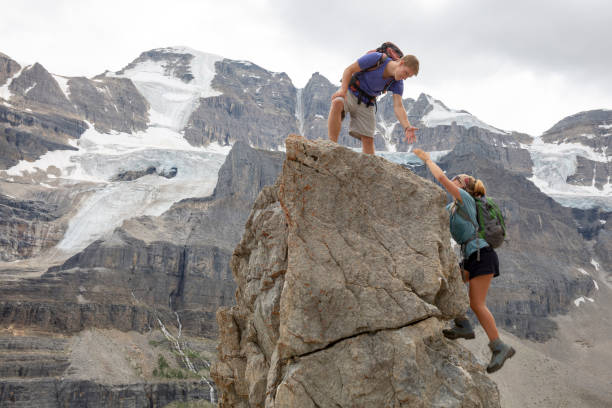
[411,62]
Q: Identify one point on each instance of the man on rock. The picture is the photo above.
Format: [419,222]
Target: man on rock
[362,81]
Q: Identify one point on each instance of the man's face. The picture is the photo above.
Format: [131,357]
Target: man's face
[403,72]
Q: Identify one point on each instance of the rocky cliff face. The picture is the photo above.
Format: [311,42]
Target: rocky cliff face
[168,273]
[109,103]
[592,129]
[8,68]
[341,296]
[178,262]
[35,114]
[26,228]
[257,107]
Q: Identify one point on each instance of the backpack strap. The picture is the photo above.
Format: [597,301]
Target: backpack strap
[377,64]
[466,216]
[354,83]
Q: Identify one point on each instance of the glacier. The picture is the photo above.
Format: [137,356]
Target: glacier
[103,156]
[173,101]
[554,163]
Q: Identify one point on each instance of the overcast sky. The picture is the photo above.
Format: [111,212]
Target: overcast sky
[518,65]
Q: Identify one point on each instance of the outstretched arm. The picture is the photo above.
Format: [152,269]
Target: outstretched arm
[346,78]
[438,174]
[400,114]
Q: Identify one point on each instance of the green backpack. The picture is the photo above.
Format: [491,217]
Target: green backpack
[491,225]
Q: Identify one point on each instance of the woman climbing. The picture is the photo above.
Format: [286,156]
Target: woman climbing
[480,263]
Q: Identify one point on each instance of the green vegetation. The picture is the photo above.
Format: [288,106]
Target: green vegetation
[155,343]
[164,370]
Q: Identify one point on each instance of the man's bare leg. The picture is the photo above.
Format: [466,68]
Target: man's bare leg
[367,144]
[334,120]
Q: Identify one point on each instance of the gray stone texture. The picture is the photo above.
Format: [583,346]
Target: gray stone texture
[585,128]
[256,107]
[8,68]
[36,87]
[28,135]
[591,173]
[175,64]
[26,228]
[340,296]
[590,128]
[110,103]
[55,392]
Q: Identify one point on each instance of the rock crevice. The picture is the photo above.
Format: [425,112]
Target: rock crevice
[345,275]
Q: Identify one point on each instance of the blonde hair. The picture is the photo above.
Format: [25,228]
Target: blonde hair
[475,187]
[411,62]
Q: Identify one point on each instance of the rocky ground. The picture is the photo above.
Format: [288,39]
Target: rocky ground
[103,368]
[338,304]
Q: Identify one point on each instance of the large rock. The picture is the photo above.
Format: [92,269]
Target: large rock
[345,273]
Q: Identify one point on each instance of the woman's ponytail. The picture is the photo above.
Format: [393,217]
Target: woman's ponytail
[473,186]
[479,189]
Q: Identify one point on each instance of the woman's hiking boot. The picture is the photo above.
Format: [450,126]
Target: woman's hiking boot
[501,352]
[462,329]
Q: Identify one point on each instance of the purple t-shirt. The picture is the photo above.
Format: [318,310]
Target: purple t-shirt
[372,82]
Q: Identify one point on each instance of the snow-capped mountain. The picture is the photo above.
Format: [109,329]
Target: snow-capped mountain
[178,108]
[115,174]
[573,160]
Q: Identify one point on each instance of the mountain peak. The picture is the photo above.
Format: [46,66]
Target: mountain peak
[433,112]
[597,117]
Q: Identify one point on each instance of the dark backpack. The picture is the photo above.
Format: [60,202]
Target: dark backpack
[491,225]
[390,49]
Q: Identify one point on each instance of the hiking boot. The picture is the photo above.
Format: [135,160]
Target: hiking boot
[462,329]
[501,352]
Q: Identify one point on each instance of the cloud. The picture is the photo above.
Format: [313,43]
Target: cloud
[519,65]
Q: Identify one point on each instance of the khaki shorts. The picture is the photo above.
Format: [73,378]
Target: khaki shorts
[363,118]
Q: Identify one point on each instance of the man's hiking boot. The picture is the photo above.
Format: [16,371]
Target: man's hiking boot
[462,329]
[501,352]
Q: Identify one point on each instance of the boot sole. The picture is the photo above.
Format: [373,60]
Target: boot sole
[511,353]
[453,336]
